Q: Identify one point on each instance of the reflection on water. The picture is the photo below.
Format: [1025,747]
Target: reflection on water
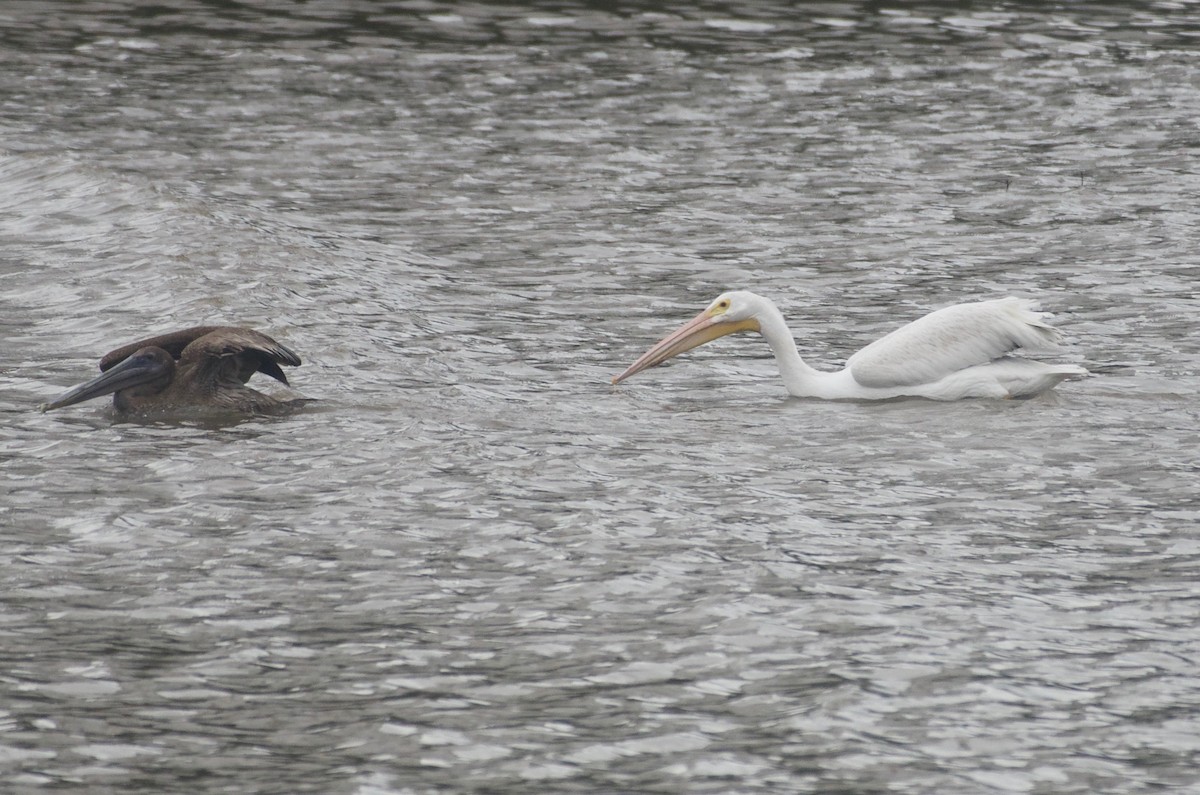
[474,565]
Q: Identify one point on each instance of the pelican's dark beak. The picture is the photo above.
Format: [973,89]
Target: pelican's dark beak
[139,369]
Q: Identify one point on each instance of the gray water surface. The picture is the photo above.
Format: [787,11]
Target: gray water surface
[475,566]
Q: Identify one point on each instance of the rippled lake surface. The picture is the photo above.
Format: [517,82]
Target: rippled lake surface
[474,565]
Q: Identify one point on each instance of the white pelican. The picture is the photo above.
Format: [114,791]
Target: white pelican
[953,353]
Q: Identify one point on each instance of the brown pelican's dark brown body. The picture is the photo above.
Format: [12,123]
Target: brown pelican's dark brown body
[203,367]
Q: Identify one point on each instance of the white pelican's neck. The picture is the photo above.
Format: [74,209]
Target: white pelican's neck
[800,379]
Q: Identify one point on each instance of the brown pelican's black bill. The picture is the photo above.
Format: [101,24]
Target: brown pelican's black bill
[134,371]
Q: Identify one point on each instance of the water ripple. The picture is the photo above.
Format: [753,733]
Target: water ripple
[475,566]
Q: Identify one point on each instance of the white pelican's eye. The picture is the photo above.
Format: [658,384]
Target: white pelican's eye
[721,306]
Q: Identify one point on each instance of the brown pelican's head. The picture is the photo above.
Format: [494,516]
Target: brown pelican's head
[145,372]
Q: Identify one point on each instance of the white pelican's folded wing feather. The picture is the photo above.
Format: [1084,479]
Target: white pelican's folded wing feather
[949,340]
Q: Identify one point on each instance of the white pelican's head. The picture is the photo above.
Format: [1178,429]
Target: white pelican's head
[729,313]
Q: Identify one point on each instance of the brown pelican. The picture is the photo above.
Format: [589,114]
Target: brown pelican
[203,367]
[953,353]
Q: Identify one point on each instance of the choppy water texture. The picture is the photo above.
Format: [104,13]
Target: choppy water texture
[475,566]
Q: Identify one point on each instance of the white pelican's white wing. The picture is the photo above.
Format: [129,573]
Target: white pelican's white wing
[949,340]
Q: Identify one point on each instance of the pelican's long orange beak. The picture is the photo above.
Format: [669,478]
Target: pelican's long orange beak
[705,327]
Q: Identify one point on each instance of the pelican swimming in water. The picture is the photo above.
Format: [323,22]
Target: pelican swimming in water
[204,367]
[953,353]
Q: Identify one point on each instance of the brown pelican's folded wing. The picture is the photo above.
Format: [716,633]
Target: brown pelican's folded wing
[172,343]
